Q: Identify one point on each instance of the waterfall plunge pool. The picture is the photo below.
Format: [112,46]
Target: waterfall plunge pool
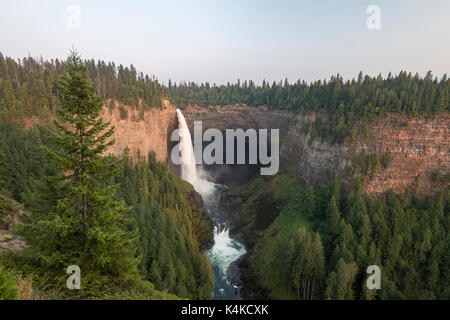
[224,251]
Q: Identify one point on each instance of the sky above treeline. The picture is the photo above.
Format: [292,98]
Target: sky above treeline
[221,41]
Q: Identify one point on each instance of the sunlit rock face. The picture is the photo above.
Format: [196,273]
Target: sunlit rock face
[418,147]
[142,133]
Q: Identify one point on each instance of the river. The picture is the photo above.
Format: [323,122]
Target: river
[224,251]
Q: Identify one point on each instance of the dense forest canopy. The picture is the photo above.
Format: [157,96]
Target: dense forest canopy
[27,86]
[374,95]
[318,241]
[171,225]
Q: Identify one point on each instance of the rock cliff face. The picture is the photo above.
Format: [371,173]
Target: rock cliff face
[150,132]
[145,132]
[10,212]
[418,145]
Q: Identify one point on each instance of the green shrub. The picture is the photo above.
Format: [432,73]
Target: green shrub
[8,289]
[386,159]
[123,112]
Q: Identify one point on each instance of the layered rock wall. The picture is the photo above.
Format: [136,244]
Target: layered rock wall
[142,133]
[417,145]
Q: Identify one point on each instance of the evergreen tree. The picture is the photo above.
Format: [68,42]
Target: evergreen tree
[87,227]
[334,216]
[305,263]
[340,282]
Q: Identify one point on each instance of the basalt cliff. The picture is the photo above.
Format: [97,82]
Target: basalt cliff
[142,132]
[418,146]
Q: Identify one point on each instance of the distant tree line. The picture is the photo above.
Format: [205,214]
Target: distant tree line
[27,88]
[343,102]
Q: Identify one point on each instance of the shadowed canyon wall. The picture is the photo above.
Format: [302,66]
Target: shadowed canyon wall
[417,145]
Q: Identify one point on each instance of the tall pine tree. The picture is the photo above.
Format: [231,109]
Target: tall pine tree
[86,227]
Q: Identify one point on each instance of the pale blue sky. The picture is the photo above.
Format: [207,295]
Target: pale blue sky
[223,40]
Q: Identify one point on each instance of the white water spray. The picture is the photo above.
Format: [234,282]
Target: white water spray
[225,250]
[188,167]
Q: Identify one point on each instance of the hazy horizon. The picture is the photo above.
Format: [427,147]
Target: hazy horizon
[220,42]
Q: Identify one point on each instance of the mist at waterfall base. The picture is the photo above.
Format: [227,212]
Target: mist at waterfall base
[225,250]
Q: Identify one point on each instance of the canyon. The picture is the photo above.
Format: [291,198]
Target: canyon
[418,145]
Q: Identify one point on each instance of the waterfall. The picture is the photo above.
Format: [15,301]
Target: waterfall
[188,168]
[225,249]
